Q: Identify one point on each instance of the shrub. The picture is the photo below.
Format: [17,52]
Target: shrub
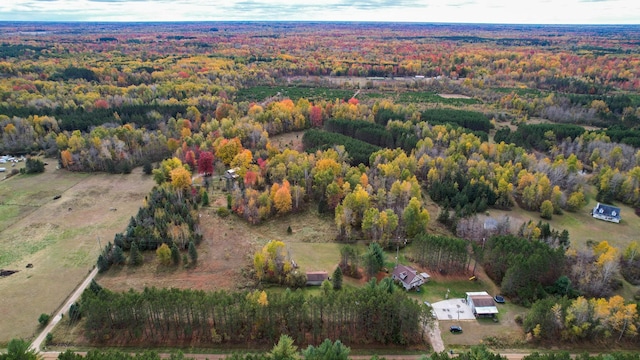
[518,319]
[546,210]
[223,212]
[147,167]
[289,231]
[34,166]
[296,279]
[44,319]
[48,339]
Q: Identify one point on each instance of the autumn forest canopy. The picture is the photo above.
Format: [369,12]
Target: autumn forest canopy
[387,120]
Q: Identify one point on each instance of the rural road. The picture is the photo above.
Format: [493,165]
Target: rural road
[53,355]
[35,345]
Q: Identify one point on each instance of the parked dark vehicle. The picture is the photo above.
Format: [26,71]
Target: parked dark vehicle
[499,299]
[455,329]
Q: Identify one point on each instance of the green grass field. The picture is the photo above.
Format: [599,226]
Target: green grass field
[431,97]
[582,227]
[259,93]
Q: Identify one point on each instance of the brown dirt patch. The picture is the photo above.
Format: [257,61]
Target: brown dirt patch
[292,140]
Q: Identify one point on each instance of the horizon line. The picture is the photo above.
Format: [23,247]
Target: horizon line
[307,21]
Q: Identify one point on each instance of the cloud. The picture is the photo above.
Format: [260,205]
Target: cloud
[499,11]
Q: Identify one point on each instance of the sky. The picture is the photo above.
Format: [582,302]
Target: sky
[456,11]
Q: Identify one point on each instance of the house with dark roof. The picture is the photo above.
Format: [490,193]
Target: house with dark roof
[606,213]
[481,304]
[316,277]
[409,277]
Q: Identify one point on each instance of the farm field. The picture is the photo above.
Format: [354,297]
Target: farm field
[58,237]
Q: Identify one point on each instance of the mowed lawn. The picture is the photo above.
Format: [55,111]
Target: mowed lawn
[582,226]
[58,237]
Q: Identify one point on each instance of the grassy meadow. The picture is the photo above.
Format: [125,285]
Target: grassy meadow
[60,238]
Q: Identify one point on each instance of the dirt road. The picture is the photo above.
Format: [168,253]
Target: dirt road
[35,345]
[435,338]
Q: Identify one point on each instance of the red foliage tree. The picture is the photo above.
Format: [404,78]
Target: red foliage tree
[205,163]
[190,158]
[250,178]
[315,115]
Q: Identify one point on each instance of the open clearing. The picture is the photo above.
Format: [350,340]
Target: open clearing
[582,226]
[228,248]
[58,237]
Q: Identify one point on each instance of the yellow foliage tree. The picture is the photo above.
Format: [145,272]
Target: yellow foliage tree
[164,254]
[180,179]
[227,149]
[282,198]
[272,263]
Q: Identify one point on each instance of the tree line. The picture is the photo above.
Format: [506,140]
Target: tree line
[365,315]
[471,120]
[538,136]
[359,151]
[440,252]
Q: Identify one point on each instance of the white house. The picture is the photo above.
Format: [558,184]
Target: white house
[606,213]
[408,277]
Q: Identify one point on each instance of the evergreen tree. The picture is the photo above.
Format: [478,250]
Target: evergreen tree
[103,263]
[205,198]
[327,350]
[175,254]
[135,256]
[74,312]
[18,349]
[95,287]
[284,349]
[373,259]
[33,166]
[337,279]
[147,168]
[118,257]
[185,260]
[193,253]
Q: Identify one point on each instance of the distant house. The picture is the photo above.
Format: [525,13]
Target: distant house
[490,224]
[481,304]
[316,277]
[408,277]
[231,176]
[606,213]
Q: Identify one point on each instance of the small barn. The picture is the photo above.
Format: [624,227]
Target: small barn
[481,304]
[607,213]
[316,277]
[409,277]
